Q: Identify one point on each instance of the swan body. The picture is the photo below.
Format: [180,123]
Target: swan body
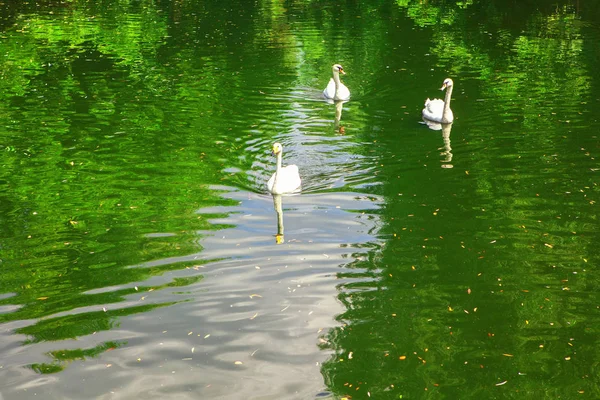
[439,110]
[336,90]
[285,179]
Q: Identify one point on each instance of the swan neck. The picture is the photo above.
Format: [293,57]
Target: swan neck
[447,103]
[336,80]
[279,157]
[278,168]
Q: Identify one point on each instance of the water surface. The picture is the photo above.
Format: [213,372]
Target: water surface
[142,257]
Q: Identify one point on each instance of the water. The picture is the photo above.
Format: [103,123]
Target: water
[142,257]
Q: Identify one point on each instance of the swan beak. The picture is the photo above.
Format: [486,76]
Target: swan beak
[342,71]
[443,87]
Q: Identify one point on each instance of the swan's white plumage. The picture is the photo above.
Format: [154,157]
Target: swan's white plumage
[439,110]
[285,179]
[335,89]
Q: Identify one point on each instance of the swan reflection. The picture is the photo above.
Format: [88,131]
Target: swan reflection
[446,149]
[339,107]
[279,210]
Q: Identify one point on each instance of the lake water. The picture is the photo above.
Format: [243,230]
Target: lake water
[142,257]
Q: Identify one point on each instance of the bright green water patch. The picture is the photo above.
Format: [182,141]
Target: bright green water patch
[137,235]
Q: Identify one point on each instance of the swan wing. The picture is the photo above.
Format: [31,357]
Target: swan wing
[291,181]
[433,109]
[434,106]
[344,92]
[288,181]
[329,92]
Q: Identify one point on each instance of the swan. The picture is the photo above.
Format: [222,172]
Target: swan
[336,90]
[285,179]
[439,110]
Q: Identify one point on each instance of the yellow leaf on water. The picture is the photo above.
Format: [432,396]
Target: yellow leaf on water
[42,298]
[507,355]
[238,363]
[402,358]
[255,295]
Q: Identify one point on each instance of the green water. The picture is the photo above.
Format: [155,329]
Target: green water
[138,245]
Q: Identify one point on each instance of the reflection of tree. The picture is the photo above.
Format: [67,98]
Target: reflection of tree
[61,358]
[478,289]
[100,101]
[89,105]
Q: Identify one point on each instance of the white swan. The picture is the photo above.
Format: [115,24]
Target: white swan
[439,110]
[336,90]
[285,179]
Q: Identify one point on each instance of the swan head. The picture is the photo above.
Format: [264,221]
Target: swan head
[277,148]
[447,83]
[338,68]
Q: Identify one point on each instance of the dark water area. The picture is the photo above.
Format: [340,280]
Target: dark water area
[141,255]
